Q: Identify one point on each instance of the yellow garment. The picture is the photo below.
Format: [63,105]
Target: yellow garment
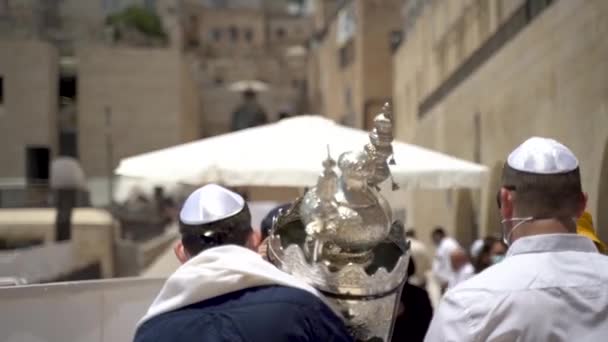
[584,227]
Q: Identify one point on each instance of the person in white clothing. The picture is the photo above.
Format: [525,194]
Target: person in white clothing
[553,284]
[476,248]
[422,258]
[442,268]
[461,267]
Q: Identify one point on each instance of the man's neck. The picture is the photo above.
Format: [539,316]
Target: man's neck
[542,226]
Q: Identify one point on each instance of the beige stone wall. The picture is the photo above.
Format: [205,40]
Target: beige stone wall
[82,19]
[323,11]
[313,84]
[436,42]
[93,232]
[296,30]
[190,114]
[219,102]
[28,115]
[224,60]
[334,80]
[149,97]
[379,19]
[352,89]
[224,20]
[19,20]
[550,80]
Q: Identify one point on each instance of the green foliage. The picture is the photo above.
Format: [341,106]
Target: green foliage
[139,18]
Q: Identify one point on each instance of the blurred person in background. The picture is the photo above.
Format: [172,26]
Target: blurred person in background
[498,250]
[483,259]
[249,113]
[415,310]
[224,290]
[461,267]
[266,227]
[285,112]
[268,220]
[445,245]
[422,258]
[476,248]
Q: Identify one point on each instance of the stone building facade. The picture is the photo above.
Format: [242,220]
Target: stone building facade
[28,105]
[151,98]
[238,40]
[157,96]
[69,23]
[350,73]
[48,54]
[476,78]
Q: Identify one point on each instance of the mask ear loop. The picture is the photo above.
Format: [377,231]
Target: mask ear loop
[507,238]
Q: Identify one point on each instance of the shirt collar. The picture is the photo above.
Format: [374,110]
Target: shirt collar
[552,243]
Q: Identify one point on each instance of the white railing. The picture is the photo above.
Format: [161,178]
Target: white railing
[38,263]
[86,311]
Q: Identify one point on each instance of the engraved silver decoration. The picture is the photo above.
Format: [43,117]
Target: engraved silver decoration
[340,238]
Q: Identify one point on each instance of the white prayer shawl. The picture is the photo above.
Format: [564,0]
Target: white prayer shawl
[218,271]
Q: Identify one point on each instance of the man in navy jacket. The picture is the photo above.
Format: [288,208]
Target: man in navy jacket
[225,291]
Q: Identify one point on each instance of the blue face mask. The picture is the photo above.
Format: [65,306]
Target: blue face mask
[497,258]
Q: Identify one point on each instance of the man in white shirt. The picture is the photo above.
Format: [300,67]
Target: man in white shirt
[442,267]
[461,267]
[552,284]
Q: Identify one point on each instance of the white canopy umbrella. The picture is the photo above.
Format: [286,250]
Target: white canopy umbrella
[251,85]
[296,51]
[290,153]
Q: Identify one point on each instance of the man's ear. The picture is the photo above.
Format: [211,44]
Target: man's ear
[582,205]
[506,203]
[254,240]
[181,253]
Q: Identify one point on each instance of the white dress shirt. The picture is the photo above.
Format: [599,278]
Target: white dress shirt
[548,288]
[442,265]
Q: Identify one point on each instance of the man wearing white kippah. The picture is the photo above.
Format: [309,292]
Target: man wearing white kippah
[553,283]
[225,291]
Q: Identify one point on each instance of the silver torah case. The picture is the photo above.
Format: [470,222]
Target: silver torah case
[340,238]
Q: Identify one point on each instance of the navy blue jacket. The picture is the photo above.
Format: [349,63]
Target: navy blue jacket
[260,314]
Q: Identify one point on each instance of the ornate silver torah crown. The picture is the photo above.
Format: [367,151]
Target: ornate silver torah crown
[340,237]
